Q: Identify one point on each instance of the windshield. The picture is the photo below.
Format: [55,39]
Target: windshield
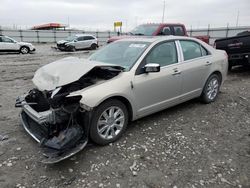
[147,30]
[122,53]
[8,39]
[70,38]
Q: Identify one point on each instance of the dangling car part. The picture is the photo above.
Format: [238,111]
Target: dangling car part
[76,99]
[55,120]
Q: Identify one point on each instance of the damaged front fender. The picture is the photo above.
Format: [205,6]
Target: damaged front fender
[52,112]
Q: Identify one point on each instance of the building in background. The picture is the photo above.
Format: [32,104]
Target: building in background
[50,26]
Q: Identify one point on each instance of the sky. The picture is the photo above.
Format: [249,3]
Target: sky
[101,14]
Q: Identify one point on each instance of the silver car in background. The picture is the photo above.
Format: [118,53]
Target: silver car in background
[8,44]
[95,98]
[78,42]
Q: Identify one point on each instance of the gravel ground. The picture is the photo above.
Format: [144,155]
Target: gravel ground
[190,145]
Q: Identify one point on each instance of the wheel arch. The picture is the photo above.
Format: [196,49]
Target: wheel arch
[125,101]
[218,73]
[25,47]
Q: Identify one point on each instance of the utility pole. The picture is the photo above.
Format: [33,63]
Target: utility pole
[68,22]
[163,13]
[237,20]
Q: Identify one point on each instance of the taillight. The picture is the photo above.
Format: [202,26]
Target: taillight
[225,53]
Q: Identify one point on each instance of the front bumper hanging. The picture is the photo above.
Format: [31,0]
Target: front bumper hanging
[36,125]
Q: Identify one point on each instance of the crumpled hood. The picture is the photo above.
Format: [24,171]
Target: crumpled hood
[25,43]
[64,71]
[62,42]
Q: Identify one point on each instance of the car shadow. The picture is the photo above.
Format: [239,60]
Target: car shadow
[240,71]
[9,53]
[169,112]
[132,126]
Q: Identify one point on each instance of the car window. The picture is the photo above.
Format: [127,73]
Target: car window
[163,54]
[179,31]
[166,31]
[190,50]
[0,39]
[88,38]
[80,39]
[5,39]
[204,52]
[147,29]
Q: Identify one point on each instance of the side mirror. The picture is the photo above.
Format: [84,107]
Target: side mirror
[75,40]
[152,67]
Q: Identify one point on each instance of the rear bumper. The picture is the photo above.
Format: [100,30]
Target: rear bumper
[239,59]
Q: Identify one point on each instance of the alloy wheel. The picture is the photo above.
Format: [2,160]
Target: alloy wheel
[110,123]
[24,50]
[212,88]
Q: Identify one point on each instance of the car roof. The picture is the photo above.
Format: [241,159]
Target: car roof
[83,35]
[152,39]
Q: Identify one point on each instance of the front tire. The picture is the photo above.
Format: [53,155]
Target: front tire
[211,89]
[109,121]
[73,49]
[24,50]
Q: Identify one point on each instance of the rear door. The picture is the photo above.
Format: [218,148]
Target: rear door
[79,44]
[88,40]
[195,66]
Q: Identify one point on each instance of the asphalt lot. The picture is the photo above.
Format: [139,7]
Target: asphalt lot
[190,145]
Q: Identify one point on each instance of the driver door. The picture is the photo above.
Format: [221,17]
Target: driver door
[159,90]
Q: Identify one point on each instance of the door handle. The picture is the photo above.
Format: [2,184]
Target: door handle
[176,72]
[208,63]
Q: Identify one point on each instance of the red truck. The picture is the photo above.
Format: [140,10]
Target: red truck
[161,29]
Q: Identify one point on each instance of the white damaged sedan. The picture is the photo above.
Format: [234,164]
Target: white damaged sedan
[79,99]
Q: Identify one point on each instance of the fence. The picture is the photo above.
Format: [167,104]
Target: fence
[55,35]
[40,36]
[216,33]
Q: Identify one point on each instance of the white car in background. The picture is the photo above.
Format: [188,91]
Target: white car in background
[78,42]
[8,44]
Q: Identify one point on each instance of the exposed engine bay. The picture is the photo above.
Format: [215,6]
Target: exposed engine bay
[56,120]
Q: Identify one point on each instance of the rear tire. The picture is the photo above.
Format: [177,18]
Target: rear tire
[109,121]
[93,46]
[211,89]
[24,50]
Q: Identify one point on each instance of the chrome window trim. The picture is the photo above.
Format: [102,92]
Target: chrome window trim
[197,58]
